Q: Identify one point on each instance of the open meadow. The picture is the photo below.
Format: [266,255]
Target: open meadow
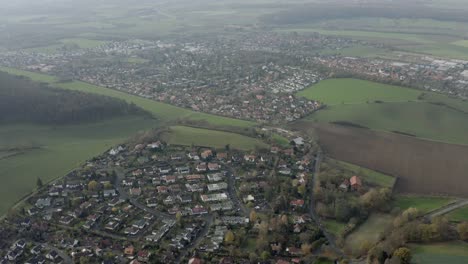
[437,253]
[367,234]
[188,136]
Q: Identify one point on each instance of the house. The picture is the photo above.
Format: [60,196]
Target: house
[195,260]
[152,202]
[213,166]
[66,220]
[282,261]
[52,255]
[170,178]
[183,170]
[186,198]
[294,251]
[129,251]
[36,260]
[154,146]
[194,177]
[110,193]
[344,185]
[137,172]
[201,167]
[198,210]
[36,250]
[214,197]
[250,158]
[206,154]
[274,150]
[249,198]
[15,254]
[143,255]
[355,183]
[140,224]
[162,189]
[298,141]
[193,156]
[217,186]
[222,156]
[297,203]
[135,191]
[20,243]
[43,202]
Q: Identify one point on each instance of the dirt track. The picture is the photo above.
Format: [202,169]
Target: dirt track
[422,167]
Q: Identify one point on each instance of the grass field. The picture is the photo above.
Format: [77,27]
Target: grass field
[354,91]
[368,232]
[437,253]
[203,137]
[423,204]
[459,215]
[368,175]
[435,116]
[61,149]
[81,43]
[334,226]
[164,112]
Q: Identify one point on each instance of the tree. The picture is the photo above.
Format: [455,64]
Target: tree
[301,189]
[39,183]
[253,216]
[179,218]
[93,186]
[462,229]
[265,255]
[229,237]
[306,249]
[404,254]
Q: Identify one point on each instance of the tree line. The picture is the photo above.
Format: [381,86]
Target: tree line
[24,101]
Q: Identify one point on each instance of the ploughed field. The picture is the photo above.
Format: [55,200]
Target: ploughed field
[422,167]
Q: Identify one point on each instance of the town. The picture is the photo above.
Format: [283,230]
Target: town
[254,77]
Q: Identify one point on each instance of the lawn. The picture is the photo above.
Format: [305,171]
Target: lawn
[61,148]
[459,215]
[188,136]
[423,204]
[368,233]
[162,111]
[354,91]
[368,175]
[448,252]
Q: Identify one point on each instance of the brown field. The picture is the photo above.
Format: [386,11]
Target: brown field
[422,167]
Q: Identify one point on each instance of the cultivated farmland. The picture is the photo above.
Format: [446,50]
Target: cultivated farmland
[422,167]
[391,108]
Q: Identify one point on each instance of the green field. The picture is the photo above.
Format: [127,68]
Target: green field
[353,91]
[423,204]
[368,233]
[425,36]
[164,112]
[459,215]
[58,149]
[435,116]
[203,137]
[368,175]
[437,253]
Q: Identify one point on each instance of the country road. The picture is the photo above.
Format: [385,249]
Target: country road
[447,209]
[330,238]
